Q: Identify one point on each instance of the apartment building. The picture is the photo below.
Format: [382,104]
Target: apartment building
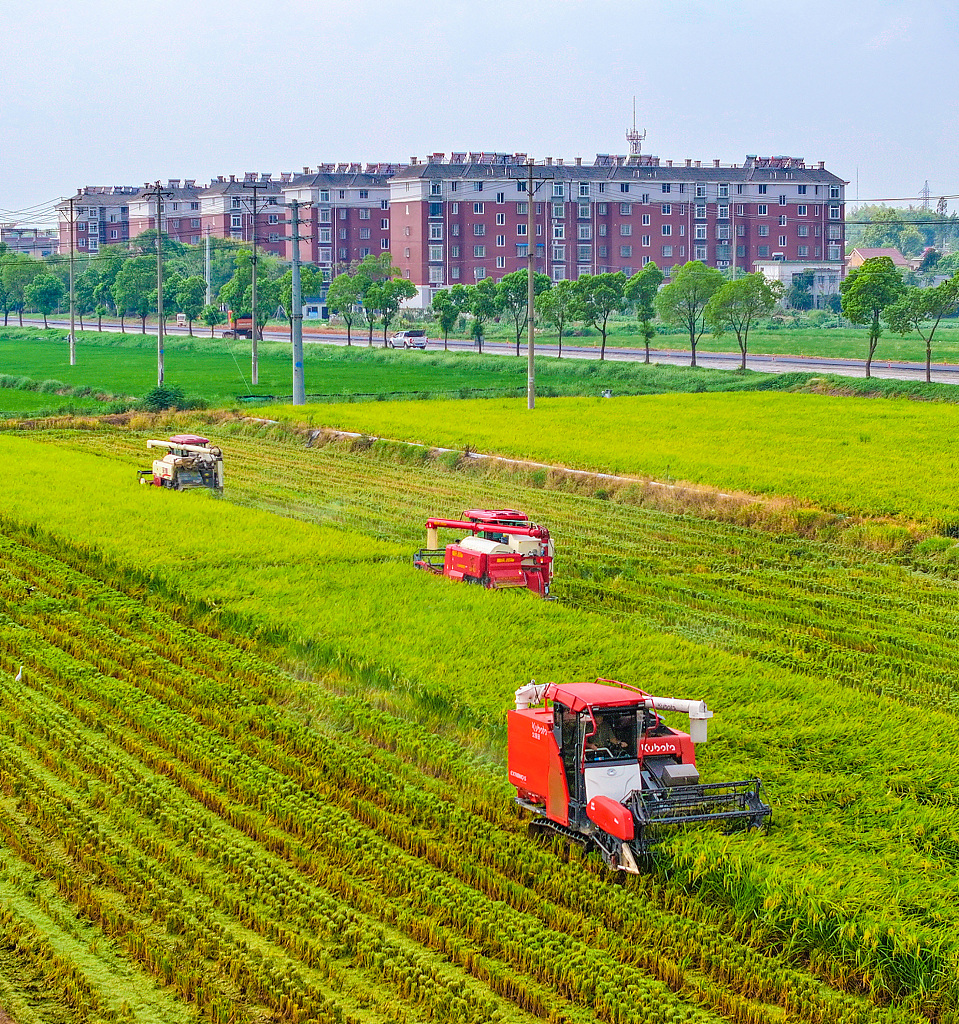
[346,216]
[461,218]
[101,216]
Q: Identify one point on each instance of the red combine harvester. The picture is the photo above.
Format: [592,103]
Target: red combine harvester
[503,549]
[595,763]
[190,461]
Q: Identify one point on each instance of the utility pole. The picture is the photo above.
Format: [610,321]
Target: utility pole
[296,314]
[206,268]
[158,196]
[530,290]
[73,302]
[255,373]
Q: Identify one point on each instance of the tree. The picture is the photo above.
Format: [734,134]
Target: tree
[342,298]
[557,306]
[512,293]
[641,291]
[449,305]
[190,296]
[83,300]
[483,305]
[683,300]
[371,272]
[799,295]
[311,283]
[916,306]
[212,315]
[134,289]
[866,292]
[736,304]
[43,294]
[18,271]
[598,297]
[387,296]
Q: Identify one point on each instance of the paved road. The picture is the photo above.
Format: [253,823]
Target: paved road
[942,373]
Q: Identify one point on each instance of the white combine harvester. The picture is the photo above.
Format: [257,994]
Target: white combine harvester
[190,461]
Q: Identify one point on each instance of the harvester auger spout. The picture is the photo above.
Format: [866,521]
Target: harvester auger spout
[502,549]
[596,763]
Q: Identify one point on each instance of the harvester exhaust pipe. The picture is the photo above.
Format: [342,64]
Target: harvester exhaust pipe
[699,714]
[529,696]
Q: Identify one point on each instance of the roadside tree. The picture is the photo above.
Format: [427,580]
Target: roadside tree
[683,300]
[43,294]
[512,293]
[212,315]
[449,305]
[18,271]
[598,297]
[483,305]
[557,307]
[866,293]
[387,297]
[190,297]
[134,289]
[918,307]
[736,304]
[641,291]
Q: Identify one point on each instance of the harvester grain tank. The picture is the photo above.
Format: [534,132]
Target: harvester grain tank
[596,763]
[502,549]
[190,461]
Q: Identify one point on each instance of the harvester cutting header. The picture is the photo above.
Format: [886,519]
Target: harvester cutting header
[503,549]
[190,461]
[596,763]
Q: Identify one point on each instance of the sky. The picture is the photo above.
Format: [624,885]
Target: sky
[122,94]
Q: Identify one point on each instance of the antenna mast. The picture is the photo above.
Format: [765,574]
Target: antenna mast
[635,137]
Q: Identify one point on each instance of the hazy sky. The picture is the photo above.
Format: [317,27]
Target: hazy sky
[101,93]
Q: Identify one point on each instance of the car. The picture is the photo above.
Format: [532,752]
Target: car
[408,339]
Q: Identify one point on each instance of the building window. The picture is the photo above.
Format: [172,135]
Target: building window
[501,218]
[273,219]
[626,251]
[802,190]
[500,197]
[364,232]
[406,252]
[833,191]
[624,186]
[454,271]
[325,235]
[645,220]
[364,194]
[479,230]
[384,224]
[803,250]
[235,221]
[699,252]
[740,251]
[835,232]
[763,251]
[800,211]
[782,200]
[722,231]
[701,231]
[625,230]
[646,241]
[559,230]
[522,209]
[583,253]
[602,251]
[762,209]
[602,209]
[436,188]
[700,190]
[521,230]
[454,208]
[782,220]
[584,232]
[582,211]
[500,262]
[832,252]
[343,234]
[667,229]
[724,191]
[722,212]
[667,209]
[522,251]
[835,213]
[584,190]
[666,186]
[559,253]
[436,232]
[364,252]
[194,223]
[479,272]
[559,191]
[364,214]
[741,230]
[454,252]
[763,230]
[762,190]
[782,241]
[435,210]
[479,252]
[436,253]
[500,240]
[700,213]
[479,207]
[559,212]
[667,251]
[625,209]
[344,213]
[274,238]
[603,230]
[477,186]
[802,230]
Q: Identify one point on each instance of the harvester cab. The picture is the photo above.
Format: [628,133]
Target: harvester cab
[190,461]
[596,763]
[502,549]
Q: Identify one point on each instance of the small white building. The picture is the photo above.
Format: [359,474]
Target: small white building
[827,276]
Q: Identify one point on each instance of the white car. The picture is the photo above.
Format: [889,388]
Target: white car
[408,339]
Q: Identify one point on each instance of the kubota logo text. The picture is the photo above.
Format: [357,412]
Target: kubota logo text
[659,747]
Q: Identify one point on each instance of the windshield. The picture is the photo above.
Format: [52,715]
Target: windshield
[615,735]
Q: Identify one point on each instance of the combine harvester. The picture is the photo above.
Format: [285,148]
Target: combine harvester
[503,549]
[190,461]
[595,763]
